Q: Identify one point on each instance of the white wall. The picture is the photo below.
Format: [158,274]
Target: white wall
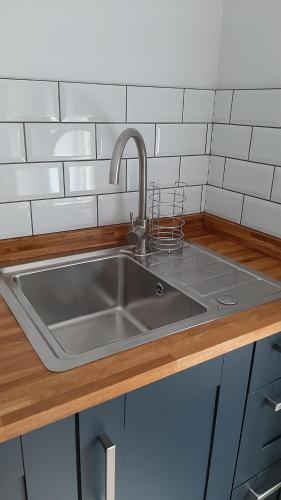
[250,44]
[152,42]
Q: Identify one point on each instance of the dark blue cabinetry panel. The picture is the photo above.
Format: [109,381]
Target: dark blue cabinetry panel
[50,462]
[108,419]
[13,490]
[10,460]
[168,435]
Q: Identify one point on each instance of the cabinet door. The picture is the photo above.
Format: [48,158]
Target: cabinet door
[168,435]
[106,419]
[50,462]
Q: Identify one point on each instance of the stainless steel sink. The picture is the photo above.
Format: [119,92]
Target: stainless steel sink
[96,303]
[81,308]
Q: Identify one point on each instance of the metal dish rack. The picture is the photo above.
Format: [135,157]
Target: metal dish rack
[166,222]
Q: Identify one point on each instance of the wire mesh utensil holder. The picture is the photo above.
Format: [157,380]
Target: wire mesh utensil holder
[166,222]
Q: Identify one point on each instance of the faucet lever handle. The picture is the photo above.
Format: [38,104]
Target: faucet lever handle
[132,219]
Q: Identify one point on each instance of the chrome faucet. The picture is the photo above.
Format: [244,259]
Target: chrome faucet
[140,226]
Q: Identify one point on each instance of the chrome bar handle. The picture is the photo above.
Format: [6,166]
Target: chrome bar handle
[253,495]
[275,405]
[110,452]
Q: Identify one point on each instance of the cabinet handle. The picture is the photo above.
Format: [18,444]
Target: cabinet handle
[110,452]
[253,495]
[275,405]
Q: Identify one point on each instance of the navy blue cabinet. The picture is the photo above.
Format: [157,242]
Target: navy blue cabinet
[174,439]
[170,436]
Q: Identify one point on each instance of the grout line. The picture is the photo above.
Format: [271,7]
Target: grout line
[272,184]
[97,202]
[63,179]
[24,140]
[155,139]
[31,218]
[224,168]
[250,143]
[59,101]
[96,142]
[126,107]
[180,168]
[85,123]
[183,105]
[232,98]
[206,139]
[242,208]
[178,87]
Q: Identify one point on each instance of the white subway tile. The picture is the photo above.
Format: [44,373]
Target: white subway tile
[180,139]
[198,105]
[151,104]
[216,171]
[62,141]
[276,190]
[91,177]
[194,169]
[107,136]
[64,214]
[163,171]
[85,102]
[266,146]
[192,204]
[11,143]
[15,220]
[26,100]
[30,181]
[262,215]
[257,107]
[116,208]
[231,140]
[224,203]
[223,102]
[248,178]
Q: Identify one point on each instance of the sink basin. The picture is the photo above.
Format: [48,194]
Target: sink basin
[96,303]
[81,308]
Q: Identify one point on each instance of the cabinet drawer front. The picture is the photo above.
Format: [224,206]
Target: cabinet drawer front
[267,362]
[262,483]
[10,461]
[14,490]
[261,436]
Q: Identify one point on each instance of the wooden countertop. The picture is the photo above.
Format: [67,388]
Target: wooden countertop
[31,396]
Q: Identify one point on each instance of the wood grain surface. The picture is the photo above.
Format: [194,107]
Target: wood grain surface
[31,396]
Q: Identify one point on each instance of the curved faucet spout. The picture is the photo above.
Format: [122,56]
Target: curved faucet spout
[114,173]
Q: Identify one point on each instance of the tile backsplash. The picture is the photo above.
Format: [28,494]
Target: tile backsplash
[244,181]
[57,138]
